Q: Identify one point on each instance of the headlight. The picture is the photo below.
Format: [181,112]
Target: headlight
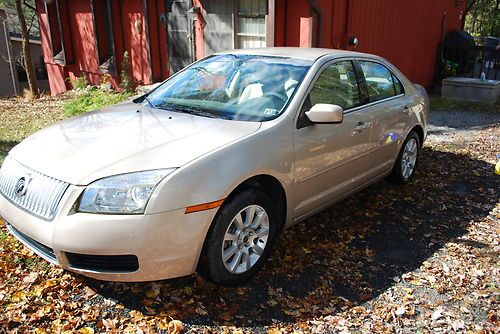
[121,194]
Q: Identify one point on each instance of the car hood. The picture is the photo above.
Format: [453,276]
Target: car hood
[124,138]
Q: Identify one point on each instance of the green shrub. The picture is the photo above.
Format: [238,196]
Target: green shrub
[91,100]
[79,82]
[125,77]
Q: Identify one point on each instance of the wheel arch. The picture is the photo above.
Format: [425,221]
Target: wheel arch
[272,187]
[419,130]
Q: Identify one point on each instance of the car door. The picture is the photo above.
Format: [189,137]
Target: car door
[330,159]
[388,107]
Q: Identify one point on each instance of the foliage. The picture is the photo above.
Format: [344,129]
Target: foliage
[30,14]
[105,83]
[79,82]
[126,83]
[438,103]
[93,99]
[483,18]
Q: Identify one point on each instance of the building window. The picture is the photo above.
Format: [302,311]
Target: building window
[103,32]
[56,38]
[251,24]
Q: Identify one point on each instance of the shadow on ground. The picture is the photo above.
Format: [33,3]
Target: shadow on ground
[341,257]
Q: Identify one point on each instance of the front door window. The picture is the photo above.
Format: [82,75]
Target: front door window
[337,85]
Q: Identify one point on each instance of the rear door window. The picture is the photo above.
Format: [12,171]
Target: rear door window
[380,81]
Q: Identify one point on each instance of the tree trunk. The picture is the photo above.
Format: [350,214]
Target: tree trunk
[28,64]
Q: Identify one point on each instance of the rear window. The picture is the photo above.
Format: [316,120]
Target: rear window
[380,81]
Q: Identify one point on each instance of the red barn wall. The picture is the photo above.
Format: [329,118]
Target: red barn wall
[56,73]
[133,21]
[148,60]
[407,33]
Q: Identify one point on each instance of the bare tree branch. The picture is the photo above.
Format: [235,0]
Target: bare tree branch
[469,7]
[32,22]
[29,6]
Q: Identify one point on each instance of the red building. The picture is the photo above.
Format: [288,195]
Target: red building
[89,37]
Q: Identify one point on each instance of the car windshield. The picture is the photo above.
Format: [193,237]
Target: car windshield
[236,87]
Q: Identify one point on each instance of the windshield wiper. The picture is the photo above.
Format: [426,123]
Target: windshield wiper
[149,101]
[143,98]
[196,112]
[191,111]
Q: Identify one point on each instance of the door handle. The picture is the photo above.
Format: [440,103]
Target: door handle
[361,126]
[406,110]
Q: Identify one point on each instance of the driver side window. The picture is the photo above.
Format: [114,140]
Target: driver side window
[337,85]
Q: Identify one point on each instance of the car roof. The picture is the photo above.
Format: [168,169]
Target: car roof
[305,53]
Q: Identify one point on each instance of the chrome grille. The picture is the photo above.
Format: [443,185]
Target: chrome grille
[42,195]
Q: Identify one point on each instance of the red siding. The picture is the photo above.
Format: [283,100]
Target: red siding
[154,37]
[135,39]
[129,33]
[56,73]
[407,33]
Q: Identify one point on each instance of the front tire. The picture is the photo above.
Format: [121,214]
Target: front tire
[406,163]
[240,239]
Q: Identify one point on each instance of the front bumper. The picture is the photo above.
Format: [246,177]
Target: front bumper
[166,245]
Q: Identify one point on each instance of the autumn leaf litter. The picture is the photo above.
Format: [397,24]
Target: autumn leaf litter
[419,258]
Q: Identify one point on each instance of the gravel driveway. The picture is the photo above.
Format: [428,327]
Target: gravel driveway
[447,126]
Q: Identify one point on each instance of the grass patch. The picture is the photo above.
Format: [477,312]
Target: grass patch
[5,147]
[442,104]
[91,100]
[20,118]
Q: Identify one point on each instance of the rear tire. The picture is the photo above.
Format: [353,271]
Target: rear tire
[407,161]
[240,239]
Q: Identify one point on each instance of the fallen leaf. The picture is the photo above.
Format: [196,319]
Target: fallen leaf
[175,327]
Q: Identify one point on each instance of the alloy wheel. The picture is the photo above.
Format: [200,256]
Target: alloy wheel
[409,158]
[245,239]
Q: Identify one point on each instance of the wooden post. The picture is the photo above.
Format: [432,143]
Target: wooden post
[306,32]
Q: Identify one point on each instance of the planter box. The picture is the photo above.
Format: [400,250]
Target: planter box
[469,89]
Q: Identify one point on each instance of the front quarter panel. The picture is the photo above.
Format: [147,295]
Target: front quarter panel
[212,177]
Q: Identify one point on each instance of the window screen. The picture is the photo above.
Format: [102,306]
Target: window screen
[379,81]
[336,85]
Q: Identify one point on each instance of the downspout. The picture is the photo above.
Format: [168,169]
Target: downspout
[148,42]
[347,21]
[285,22]
[332,36]
[317,11]
[158,33]
[9,54]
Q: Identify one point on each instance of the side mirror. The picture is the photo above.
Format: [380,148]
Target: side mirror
[325,113]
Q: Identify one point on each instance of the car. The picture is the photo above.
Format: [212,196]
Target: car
[203,172]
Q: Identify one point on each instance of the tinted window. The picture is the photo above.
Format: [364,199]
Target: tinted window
[336,85]
[379,81]
[398,86]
